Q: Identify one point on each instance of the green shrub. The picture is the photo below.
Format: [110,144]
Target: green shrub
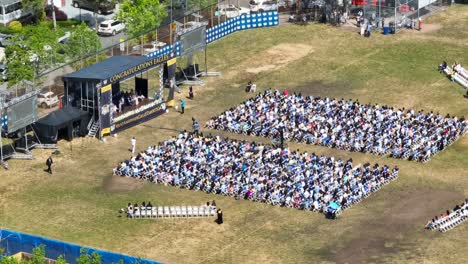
[68,23]
[6,30]
[15,25]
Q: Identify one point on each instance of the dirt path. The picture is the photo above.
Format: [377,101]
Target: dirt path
[388,234]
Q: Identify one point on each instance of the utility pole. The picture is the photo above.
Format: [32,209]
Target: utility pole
[2,101]
[53,14]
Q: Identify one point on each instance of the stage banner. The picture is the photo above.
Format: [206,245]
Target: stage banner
[171,71]
[105,110]
[137,116]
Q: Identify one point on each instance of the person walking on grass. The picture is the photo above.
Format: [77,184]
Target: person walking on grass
[182,106]
[133,142]
[49,163]
[196,126]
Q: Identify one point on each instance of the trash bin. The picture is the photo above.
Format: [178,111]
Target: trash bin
[391,26]
[386,30]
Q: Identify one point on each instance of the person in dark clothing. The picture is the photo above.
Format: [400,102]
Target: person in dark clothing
[220,216]
[190,94]
[249,85]
[282,137]
[49,163]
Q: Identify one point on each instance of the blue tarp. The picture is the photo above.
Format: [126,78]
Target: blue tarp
[14,242]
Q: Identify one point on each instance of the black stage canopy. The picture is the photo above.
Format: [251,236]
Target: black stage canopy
[116,68]
[63,120]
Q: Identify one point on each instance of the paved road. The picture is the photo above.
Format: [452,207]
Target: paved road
[86,15]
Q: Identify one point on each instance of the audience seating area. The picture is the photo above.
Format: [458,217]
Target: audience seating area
[248,170]
[344,124]
[449,220]
[171,212]
[456,73]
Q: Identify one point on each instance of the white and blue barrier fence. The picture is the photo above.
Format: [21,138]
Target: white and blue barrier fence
[244,22]
[259,20]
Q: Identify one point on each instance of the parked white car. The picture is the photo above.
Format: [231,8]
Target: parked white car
[150,47]
[231,11]
[110,27]
[189,26]
[263,5]
[47,99]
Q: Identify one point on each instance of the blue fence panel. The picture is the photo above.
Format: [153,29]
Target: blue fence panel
[14,242]
[166,50]
[244,22]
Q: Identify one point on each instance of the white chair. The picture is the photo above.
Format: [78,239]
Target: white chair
[207,211]
[160,211]
[195,211]
[178,211]
[189,211]
[212,211]
[201,211]
[167,213]
[184,211]
[136,213]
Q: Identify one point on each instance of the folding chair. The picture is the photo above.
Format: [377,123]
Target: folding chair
[178,211]
[160,211]
[184,211]
[189,211]
[172,211]
[167,213]
[201,211]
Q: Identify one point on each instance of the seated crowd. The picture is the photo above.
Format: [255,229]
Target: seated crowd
[449,219]
[256,172]
[345,124]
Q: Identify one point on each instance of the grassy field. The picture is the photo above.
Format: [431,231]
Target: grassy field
[79,202]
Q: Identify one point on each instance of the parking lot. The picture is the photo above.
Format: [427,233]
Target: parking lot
[87,15]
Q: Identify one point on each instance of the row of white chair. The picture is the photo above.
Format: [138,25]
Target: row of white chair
[172,212]
[443,221]
[453,223]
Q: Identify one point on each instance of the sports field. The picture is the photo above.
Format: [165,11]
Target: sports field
[79,203]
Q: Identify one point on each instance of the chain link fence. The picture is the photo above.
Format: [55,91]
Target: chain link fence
[144,44]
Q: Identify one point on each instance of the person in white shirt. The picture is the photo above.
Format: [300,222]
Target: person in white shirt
[133,142]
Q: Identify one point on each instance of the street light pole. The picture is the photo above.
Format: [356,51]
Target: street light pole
[2,100]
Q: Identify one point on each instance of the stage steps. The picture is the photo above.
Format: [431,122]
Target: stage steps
[46,146]
[22,156]
[93,130]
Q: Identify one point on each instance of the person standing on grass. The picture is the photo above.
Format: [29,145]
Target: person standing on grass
[49,163]
[419,24]
[220,216]
[190,94]
[196,126]
[182,106]
[133,142]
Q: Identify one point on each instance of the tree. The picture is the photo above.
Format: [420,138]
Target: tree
[85,258]
[36,7]
[34,49]
[141,16]
[60,260]
[38,256]
[197,5]
[83,41]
